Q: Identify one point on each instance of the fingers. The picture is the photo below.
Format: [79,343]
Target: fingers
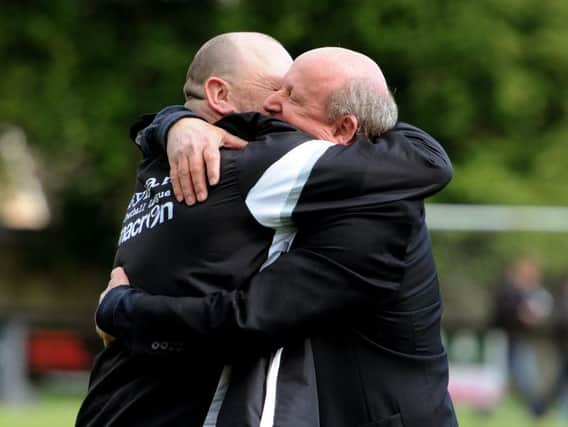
[100,332]
[118,276]
[212,158]
[212,155]
[185,180]
[232,141]
[107,339]
[117,270]
[197,172]
[193,152]
[176,185]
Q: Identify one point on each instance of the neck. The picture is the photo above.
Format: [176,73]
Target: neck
[326,134]
[201,108]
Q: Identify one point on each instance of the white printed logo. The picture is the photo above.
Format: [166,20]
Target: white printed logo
[145,211]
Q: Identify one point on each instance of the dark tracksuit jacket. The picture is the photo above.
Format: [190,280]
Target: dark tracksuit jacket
[355,304]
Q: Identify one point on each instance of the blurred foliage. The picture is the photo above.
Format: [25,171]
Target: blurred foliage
[487,78]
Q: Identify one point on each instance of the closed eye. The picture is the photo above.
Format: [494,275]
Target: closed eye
[293,97]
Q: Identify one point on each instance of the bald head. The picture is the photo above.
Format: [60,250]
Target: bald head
[337,65]
[357,86]
[335,94]
[231,56]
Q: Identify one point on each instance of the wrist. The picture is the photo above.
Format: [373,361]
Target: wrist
[172,120]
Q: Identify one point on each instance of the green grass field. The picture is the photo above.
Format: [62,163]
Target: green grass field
[508,414]
[60,411]
[48,411]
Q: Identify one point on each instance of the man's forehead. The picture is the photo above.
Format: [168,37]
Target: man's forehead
[275,77]
[313,75]
[275,63]
[265,79]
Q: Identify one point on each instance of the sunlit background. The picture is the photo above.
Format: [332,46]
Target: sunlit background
[487,78]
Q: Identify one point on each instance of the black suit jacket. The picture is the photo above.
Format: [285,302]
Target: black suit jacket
[360,283]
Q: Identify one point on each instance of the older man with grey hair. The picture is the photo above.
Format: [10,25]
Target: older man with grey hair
[340,302]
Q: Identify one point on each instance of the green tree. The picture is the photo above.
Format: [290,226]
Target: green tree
[486,78]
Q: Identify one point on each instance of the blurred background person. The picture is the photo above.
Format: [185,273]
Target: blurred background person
[559,390]
[522,306]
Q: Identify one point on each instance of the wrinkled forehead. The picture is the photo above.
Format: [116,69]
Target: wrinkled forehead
[315,74]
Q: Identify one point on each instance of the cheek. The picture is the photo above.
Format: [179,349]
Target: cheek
[260,97]
[315,127]
[289,114]
[253,100]
[253,104]
[296,117]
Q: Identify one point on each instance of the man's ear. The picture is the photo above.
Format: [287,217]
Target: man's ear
[217,95]
[345,129]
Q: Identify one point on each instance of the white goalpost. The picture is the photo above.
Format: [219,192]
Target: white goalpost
[495,218]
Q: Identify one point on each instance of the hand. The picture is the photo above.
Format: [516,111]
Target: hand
[117,277]
[107,339]
[193,150]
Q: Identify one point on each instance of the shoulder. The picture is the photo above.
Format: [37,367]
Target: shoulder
[406,134]
[282,156]
[251,126]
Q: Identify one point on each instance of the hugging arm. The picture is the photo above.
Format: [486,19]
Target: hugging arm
[151,130]
[333,269]
[322,281]
[404,162]
[193,149]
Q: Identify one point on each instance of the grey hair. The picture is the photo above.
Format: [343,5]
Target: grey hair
[376,111]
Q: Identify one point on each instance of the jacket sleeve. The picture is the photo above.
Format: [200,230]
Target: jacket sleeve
[152,138]
[405,163]
[319,177]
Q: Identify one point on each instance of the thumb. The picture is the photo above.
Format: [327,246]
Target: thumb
[231,141]
[117,271]
[119,275]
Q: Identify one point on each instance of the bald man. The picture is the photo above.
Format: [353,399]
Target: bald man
[321,290]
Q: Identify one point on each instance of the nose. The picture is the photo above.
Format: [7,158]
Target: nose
[273,104]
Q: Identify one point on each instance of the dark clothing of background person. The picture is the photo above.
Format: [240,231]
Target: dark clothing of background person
[559,389]
[522,305]
[361,268]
